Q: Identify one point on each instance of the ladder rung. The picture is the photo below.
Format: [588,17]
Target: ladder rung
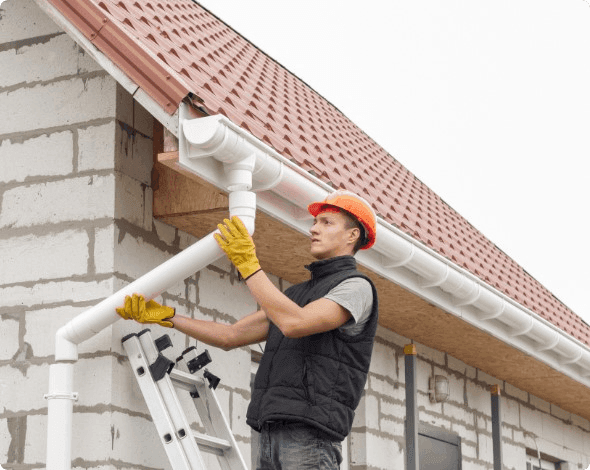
[185,381]
[210,441]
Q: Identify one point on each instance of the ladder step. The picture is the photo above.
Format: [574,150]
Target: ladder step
[212,442]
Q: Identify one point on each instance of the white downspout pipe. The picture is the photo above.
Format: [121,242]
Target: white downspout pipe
[61,396]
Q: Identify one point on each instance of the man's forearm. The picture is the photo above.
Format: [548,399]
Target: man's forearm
[279,309]
[208,332]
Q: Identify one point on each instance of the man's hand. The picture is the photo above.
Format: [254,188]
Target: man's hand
[238,246]
[137,309]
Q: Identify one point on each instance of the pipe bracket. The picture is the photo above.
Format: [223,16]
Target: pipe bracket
[61,396]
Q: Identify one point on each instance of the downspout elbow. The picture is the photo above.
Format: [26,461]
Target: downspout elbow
[65,348]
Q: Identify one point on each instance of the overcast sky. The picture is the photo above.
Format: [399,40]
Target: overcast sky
[488,103]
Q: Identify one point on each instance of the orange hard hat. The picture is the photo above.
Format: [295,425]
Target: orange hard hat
[356,206]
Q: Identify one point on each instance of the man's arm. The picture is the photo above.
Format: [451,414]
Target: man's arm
[249,330]
[295,321]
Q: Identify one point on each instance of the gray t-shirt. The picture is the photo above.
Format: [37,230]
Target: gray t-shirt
[355,295]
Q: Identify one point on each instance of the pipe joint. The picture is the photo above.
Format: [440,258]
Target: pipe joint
[243,205]
[239,173]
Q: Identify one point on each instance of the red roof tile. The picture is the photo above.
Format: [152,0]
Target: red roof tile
[232,77]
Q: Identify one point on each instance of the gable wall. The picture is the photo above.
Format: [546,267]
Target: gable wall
[76,225]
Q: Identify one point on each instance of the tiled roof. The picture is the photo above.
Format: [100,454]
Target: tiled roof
[231,76]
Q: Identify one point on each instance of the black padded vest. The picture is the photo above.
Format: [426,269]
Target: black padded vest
[318,379]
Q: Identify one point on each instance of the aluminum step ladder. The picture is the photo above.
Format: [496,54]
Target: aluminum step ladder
[159,379]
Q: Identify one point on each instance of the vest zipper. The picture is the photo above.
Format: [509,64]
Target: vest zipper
[308,385]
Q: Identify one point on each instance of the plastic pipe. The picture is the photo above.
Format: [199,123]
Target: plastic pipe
[60,403]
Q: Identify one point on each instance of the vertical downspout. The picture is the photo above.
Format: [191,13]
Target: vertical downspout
[61,396]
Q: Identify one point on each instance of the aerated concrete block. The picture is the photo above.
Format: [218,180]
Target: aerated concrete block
[133,440]
[104,249]
[383,361]
[135,256]
[85,198]
[93,378]
[96,147]
[35,451]
[216,292]
[133,152]
[513,457]
[46,155]
[382,453]
[371,404]
[485,447]
[540,404]
[8,338]
[515,392]
[130,200]
[43,59]
[239,407]
[392,427]
[41,326]
[55,292]
[57,104]
[5,438]
[553,430]
[531,420]
[510,411]
[479,398]
[31,258]
[22,19]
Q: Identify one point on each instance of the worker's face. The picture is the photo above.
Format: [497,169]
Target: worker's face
[330,237]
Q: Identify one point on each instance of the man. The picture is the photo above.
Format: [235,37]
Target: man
[319,335]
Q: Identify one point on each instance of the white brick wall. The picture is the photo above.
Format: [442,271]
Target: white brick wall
[33,257]
[58,104]
[51,203]
[43,156]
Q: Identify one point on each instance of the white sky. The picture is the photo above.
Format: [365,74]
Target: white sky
[488,103]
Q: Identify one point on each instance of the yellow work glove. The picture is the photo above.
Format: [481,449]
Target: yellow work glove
[238,246]
[137,309]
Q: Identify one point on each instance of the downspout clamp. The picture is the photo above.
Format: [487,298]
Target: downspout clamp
[242,202]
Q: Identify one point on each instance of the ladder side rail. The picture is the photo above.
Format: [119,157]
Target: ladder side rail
[156,406]
[215,423]
[179,420]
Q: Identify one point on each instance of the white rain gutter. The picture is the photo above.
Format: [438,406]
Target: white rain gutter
[284,190]
[61,396]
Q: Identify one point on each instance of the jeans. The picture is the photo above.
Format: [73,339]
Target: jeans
[291,446]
